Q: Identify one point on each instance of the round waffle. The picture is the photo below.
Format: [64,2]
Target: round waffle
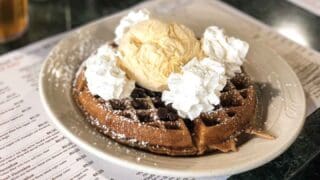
[145,122]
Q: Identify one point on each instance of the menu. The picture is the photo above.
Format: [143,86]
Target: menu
[32,148]
[310,5]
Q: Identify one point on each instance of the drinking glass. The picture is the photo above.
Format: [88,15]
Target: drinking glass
[13,19]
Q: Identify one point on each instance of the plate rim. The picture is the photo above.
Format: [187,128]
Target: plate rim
[156,170]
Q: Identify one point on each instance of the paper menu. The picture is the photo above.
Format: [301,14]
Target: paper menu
[310,5]
[30,147]
[304,61]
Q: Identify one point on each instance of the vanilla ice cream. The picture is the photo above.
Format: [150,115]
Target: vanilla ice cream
[151,50]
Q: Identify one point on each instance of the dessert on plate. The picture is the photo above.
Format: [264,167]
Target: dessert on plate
[159,88]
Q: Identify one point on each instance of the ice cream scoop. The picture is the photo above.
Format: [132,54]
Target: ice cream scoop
[152,49]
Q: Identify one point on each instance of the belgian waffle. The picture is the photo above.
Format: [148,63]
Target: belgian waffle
[145,122]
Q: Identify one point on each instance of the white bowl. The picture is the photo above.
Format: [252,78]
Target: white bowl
[282,105]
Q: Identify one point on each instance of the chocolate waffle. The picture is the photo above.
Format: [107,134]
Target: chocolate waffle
[145,122]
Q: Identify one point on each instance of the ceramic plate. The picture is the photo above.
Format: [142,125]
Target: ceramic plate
[281,106]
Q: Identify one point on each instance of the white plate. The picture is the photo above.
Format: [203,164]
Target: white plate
[282,102]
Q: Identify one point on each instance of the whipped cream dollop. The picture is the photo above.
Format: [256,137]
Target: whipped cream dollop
[127,21]
[229,51]
[104,77]
[197,88]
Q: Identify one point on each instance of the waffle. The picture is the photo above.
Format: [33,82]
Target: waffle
[145,122]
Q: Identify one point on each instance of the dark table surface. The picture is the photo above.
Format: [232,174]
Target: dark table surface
[300,161]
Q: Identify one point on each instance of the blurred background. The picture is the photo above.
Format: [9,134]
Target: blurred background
[49,17]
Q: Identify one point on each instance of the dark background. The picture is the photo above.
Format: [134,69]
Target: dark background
[300,161]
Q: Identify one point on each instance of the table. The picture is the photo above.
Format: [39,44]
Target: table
[301,160]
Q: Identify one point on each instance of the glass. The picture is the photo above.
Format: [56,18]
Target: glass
[13,19]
